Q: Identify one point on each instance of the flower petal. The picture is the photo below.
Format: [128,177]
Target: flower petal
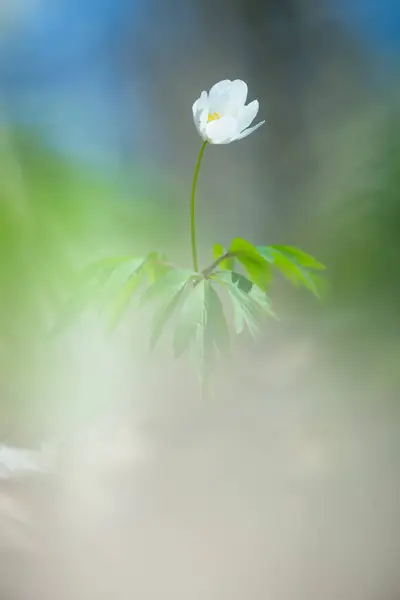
[200,112]
[200,102]
[248,131]
[222,131]
[201,126]
[227,98]
[247,115]
[237,97]
[219,97]
[219,88]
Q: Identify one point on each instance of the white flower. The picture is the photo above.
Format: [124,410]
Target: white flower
[221,116]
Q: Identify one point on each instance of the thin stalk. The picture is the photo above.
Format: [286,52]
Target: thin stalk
[192,209]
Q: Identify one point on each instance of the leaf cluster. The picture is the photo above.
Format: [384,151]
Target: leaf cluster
[237,283]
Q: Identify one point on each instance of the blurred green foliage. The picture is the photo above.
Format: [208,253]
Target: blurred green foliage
[56,217]
[361,238]
[357,233]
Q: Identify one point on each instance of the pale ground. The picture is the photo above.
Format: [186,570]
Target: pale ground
[286,487]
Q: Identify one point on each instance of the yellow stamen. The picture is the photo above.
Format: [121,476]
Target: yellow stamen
[214,117]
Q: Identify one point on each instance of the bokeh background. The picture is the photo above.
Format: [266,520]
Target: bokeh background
[97,149]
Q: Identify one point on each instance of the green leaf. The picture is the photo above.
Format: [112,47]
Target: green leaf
[157,266]
[295,265]
[169,284]
[153,266]
[89,285]
[117,279]
[246,311]
[266,252]
[218,250]
[262,300]
[192,316]
[206,358]
[95,274]
[255,264]
[293,272]
[250,309]
[163,315]
[112,262]
[228,263]
[242,282]
[302,258]
[170,289]
[202,320]
[208,331]
[123,298]
[217,331]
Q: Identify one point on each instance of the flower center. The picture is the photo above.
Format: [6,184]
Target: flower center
[213,117]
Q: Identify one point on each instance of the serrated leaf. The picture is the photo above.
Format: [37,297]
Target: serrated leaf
[266,252]
[242,282]
[262,300]
[192,316]
[255,264]
[123,299]
[88,285]
[163,315]
[99,269]
[169,284]
[250,309]
[245,311]
[157,266]
[202,319]
[295,265]
[117,279]
[112,262]
[217,331]
[302,258]
[228,263]
[95,274]
[293,272]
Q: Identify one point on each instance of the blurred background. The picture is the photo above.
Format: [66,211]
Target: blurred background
[97,150]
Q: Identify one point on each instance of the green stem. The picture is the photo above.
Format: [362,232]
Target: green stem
[192,208]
